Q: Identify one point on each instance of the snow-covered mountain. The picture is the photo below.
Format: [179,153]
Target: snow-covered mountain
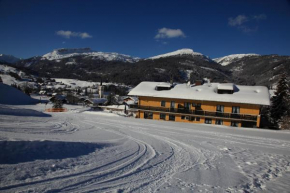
[226,60]
[181,52]
[87,52]
[8,58]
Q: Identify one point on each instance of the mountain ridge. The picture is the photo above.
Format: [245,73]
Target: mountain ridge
[62,53]
[8,58]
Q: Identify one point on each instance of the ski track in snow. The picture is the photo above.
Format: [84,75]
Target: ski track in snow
[145,156]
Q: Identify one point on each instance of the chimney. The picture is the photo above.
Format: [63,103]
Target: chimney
[171,79]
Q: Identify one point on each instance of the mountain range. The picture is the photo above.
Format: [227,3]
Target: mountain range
[4,58]
[182,65]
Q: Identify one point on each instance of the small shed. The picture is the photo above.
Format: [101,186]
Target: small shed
[130,100]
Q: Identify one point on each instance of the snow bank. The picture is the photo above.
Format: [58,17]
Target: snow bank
[14,152]
[12,96]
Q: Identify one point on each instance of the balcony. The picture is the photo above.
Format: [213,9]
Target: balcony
[197,112]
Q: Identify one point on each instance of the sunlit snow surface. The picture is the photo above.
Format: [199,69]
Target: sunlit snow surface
[226,60]
[78,151]
[107,56]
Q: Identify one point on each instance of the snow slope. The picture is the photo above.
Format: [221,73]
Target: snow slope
[180,52]
[8,58]
[12,96]
[83,152]
[107,56]
[226,60]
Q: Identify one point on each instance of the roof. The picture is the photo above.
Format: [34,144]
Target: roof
[97,100]
[258,95]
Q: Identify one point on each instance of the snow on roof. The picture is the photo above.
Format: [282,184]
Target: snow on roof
[164,84]
[226,86]
[208,92]
[97,100]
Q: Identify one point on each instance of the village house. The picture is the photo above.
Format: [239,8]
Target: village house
[210,103]
[95,102]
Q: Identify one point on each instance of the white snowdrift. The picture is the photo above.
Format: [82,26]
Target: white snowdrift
[83,152]
[12,96]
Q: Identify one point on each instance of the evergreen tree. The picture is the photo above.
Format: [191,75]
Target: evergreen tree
[57,104]
[280,103]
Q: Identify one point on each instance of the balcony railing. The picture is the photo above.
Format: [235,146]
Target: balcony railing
[197,112]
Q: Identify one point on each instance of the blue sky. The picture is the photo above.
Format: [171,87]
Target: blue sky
[145,28]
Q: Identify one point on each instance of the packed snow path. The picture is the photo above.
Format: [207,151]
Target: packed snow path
[79,151]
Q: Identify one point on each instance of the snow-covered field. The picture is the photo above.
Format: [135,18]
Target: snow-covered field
[77,151]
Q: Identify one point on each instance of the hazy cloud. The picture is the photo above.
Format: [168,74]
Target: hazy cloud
[242,22]
[68,34]
[169,33]
[239,20]
[259,17]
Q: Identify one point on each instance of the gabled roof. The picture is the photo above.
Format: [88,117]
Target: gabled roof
[258,95]
[97,100]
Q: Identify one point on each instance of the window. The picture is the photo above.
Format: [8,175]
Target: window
[207,121]
[197,118]
[234,124]
[236,110]
[148,115]
[172,104]
[193,104]
[171,117]
[198,105]
[187,106]
[220,91]
[220,108]
[192,118]
[162,103]
[184,117]
[162,116]
[219,122]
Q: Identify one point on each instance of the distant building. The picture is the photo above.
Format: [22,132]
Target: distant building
[95,102]
[129,100]
[209,103]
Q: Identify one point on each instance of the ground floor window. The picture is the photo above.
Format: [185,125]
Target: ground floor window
[207,121]
[219,122]
[162,116]
[192,119]
[234,124]
[183,117]
[171,117]
[148,115]
[197,118]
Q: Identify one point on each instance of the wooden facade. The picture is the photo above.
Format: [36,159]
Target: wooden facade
[194,111]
